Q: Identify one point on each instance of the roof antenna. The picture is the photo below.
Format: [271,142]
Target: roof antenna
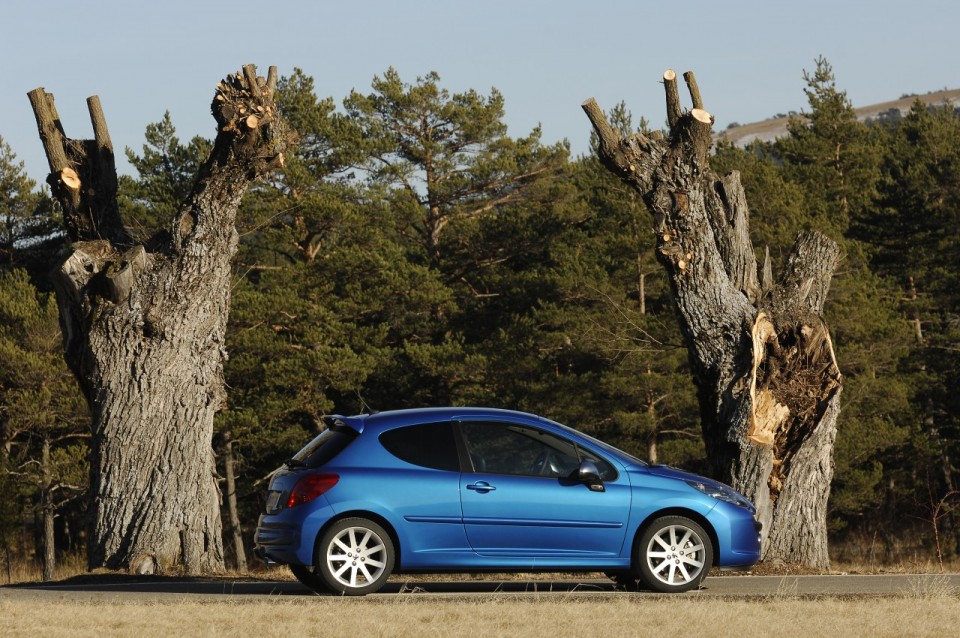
[363,402]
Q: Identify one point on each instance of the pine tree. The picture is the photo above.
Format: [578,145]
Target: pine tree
[44,423]
[166,172]
[28,232]
[914,231]
[449,175]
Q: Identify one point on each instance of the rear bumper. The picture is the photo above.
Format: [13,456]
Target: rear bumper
[276,542]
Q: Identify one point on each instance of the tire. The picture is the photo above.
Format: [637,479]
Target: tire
[354,557]
[674,554]
[308,578]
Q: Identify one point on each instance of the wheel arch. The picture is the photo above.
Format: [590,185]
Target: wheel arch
[674,511]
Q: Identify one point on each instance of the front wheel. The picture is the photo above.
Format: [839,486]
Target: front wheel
[675,554]
[355,557]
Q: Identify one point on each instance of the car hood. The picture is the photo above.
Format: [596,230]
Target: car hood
[671,472]
[667,471]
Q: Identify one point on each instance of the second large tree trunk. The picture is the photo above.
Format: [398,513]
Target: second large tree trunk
[768,384]
[143,329]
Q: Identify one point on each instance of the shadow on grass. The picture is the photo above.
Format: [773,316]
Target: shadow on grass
[260,587]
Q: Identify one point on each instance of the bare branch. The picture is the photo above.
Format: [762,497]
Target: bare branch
[608,137]
[673,97]
[694,89]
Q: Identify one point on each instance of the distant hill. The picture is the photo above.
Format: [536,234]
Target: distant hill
[773,128]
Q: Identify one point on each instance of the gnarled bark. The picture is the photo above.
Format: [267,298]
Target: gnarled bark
[768,384]
[143,329]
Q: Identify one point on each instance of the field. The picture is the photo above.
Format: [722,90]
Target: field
[930,606]
[930,613]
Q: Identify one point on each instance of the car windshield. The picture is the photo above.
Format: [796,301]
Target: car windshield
[605,446]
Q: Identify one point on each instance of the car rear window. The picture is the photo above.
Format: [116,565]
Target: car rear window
[427,445]
[326,446]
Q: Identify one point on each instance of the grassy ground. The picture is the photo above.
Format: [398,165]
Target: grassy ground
[930,612]
[930,608]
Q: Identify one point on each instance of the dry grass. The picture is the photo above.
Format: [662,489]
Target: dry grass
[29,571]
[936,614]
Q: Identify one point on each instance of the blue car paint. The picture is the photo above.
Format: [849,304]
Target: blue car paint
[527,522]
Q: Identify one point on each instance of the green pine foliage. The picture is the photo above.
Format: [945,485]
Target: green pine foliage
[40,403]
[166,172]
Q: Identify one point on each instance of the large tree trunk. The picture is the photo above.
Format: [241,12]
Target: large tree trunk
[143,329]
[768,384]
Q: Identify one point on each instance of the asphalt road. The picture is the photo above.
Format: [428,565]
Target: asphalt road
[744,587]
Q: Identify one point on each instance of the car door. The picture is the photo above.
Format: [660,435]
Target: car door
[523,497]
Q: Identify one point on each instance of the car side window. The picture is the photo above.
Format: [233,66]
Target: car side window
[509,448]
[427,445]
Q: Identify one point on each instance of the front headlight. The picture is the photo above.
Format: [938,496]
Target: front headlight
[722,493]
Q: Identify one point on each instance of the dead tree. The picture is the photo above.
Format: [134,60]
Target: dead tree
[767,380]
[143,328]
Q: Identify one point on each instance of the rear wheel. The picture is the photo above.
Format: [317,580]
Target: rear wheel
[355,557]
[675,554]
[308,577]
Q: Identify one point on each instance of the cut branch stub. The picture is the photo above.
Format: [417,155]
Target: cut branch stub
[82,172]
[51,134]
[694,89]
[244,106]
[608,136]
[673,97]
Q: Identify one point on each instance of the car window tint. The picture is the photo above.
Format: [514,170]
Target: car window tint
[327,445]
[428,445]
[507,448]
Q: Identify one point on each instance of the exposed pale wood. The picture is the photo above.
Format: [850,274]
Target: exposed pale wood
[252,121]
[701,116]
[70,178]
[277,162]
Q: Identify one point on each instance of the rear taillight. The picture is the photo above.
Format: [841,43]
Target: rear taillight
[310,487]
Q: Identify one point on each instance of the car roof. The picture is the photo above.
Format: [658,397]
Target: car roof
[393,418]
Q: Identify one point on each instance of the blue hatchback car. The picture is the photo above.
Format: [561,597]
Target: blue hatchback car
[478,489]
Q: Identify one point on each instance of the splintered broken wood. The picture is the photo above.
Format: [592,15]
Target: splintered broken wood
[767,415]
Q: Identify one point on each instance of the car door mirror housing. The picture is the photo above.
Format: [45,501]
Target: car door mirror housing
[590,476]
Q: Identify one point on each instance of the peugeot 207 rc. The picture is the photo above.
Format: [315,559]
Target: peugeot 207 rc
[477,489]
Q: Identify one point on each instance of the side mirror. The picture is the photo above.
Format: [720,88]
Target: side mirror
[590,476]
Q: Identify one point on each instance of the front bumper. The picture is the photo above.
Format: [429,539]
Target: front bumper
[739,535]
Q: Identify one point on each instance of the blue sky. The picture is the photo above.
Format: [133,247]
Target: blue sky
[546,57]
